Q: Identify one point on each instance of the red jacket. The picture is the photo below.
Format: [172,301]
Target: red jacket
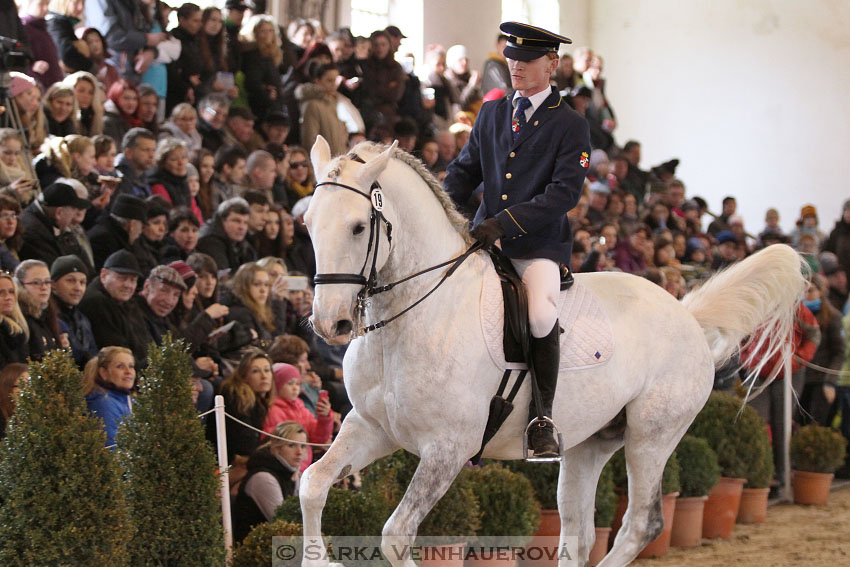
[806,339]
[319,429]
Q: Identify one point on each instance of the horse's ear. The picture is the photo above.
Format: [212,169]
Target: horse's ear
[320,155]
[375,166]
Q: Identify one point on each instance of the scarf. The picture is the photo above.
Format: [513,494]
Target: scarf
[302,190]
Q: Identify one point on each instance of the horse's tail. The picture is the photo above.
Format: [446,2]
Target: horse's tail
[759,293]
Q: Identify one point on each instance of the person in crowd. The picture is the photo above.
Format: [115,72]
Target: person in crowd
[466,82]
[182,238]
[73,157]
[13,376]
[229,167]
[721,223]
[819,388]
[496,74]
[727,250]
[248,394]
[27,99]
[250,303]
[16,174]
[138,156]
[272,475]
[275,128]
[300,179]
[105,152]
[119,230]
[11,234]
[68,274]
[108,382]
[190,318]
[168,178]
[258,204]
[838,241]
[291,349]
[121,110]
[105,72]
[128,29]
[160,294]
[260,49]
[564,77]
[193,180]
[183,126]
[288,406]
[151,243]
[223,236]
[319,109]
[261,172]
[45,67]
[807,224]
[628,253]
[14,332]
[204,163]
[300,256]
[33,279]
[239,130]
[63,17]
[213,111]
[45,223]
[184,74]
[59,109]
[383,83]
[270,241]
[149,108]
[234,15]
[216,75]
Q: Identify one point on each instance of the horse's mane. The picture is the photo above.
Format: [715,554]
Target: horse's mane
[457,220]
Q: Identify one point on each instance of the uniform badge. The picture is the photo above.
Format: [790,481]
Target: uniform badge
[515,124]
[584,160]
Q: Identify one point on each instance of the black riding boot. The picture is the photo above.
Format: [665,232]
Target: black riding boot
[545,355]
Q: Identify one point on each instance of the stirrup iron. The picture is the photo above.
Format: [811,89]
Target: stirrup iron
[558,437]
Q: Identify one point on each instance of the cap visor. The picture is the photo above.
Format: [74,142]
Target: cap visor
[522,54]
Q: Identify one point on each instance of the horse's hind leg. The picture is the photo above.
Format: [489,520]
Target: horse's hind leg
[438,467]
[577,482]
[357,445]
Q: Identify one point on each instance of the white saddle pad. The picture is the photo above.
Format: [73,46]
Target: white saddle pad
[587,339]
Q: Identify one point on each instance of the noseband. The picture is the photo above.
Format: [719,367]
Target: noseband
[368,286]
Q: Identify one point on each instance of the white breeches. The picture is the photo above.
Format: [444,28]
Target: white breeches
[542,279]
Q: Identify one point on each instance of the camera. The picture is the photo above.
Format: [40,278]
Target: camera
[12,57]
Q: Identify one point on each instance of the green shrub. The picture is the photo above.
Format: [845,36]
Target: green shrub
[171,484]
[606,498]
[737,434]
[256,549]
[698,468]
[543,478]
[618,470]
[507,504]
[818,449]
[346,513]
[61,488]
[670,477]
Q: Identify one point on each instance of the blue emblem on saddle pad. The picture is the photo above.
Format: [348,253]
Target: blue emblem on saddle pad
[598,355]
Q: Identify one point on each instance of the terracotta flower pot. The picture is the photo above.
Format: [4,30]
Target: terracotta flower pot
[617,522]
[753,509]
[545,540]
[721,508]
[600,546]
[687,522]
[661,544]
[811,488]
[450,555]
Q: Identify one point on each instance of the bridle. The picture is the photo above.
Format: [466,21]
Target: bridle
[369,286]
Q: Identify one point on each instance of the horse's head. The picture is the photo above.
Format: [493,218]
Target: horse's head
[339,220]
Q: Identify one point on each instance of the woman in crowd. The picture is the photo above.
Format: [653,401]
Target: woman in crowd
[89,96]
[288,406]
[33,277]
[270,242]
[72,156]
[273,471]
[154,230]
[215,74]
[250,302]
[819,390]
[14,333]
[184,74]
[104,155]
[318,108]
[383,83]
[98,53]
[45,60]
[12,378]
[63,17]
[204,162]
[300,180]
[183,227]
[168,178]
[108,381]
[192,320]
[183,126]
[121,110]
[11,236]
[59,108]
[248,394]
[27,96]
[15,174]
[261,56]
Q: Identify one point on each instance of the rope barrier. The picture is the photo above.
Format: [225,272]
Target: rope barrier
[322,445]
[821,368]
[207,413]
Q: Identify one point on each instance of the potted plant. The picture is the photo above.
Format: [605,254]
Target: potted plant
[620,478]
[670,488]
[816,453]
[753,509]
[509,513]
[544,480]
[698,473]
[736,440]
[254,551]
[603,515]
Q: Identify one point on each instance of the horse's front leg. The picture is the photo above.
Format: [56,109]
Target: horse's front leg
[438,467]
[357,445]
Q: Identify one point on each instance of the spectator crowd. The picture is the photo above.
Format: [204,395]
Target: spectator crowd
[154,179]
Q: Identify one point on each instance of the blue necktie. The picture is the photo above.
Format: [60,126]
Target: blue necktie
[518,123]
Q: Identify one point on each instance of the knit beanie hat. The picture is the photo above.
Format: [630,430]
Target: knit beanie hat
[283,373]
[20,83]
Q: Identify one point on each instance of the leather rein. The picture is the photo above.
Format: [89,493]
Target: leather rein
[369,286]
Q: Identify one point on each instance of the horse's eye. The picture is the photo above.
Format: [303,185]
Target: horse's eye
[359,229]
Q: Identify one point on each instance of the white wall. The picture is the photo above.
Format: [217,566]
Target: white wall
[751,96]
[474,24]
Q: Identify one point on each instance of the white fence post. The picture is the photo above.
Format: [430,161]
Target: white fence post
[787,411]
[221,438]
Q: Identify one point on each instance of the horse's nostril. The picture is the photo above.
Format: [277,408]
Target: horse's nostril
[344,327]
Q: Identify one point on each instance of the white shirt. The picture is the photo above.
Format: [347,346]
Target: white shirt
[536,101]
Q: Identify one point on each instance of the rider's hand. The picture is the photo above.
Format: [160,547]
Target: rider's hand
[488,232]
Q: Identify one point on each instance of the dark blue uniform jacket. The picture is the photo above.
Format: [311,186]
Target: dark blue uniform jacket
[530,184]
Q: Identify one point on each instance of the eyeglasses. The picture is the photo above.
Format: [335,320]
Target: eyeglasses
[38,283]
[9,217]
[297,164]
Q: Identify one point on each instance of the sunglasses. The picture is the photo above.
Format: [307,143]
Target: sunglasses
[297,164]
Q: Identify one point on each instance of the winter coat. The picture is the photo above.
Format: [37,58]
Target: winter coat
[260,73]
[117,323]
[830,351]
[43,49]
[132,182]
[125,28]
[383,86]
[41,242]
[42,338]
[240,440]
[319,429]
[226,253]
[79,329]
[319,117]
[111,405]
[170,187]
[61,29]
[190,62]
[61,129]
[106,237]
[13,348]
[246,513]
[211,138]
[242,314]
[839,243]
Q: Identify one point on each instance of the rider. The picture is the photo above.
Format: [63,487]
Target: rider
[531,151]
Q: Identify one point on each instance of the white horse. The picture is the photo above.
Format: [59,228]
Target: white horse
[423,382]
